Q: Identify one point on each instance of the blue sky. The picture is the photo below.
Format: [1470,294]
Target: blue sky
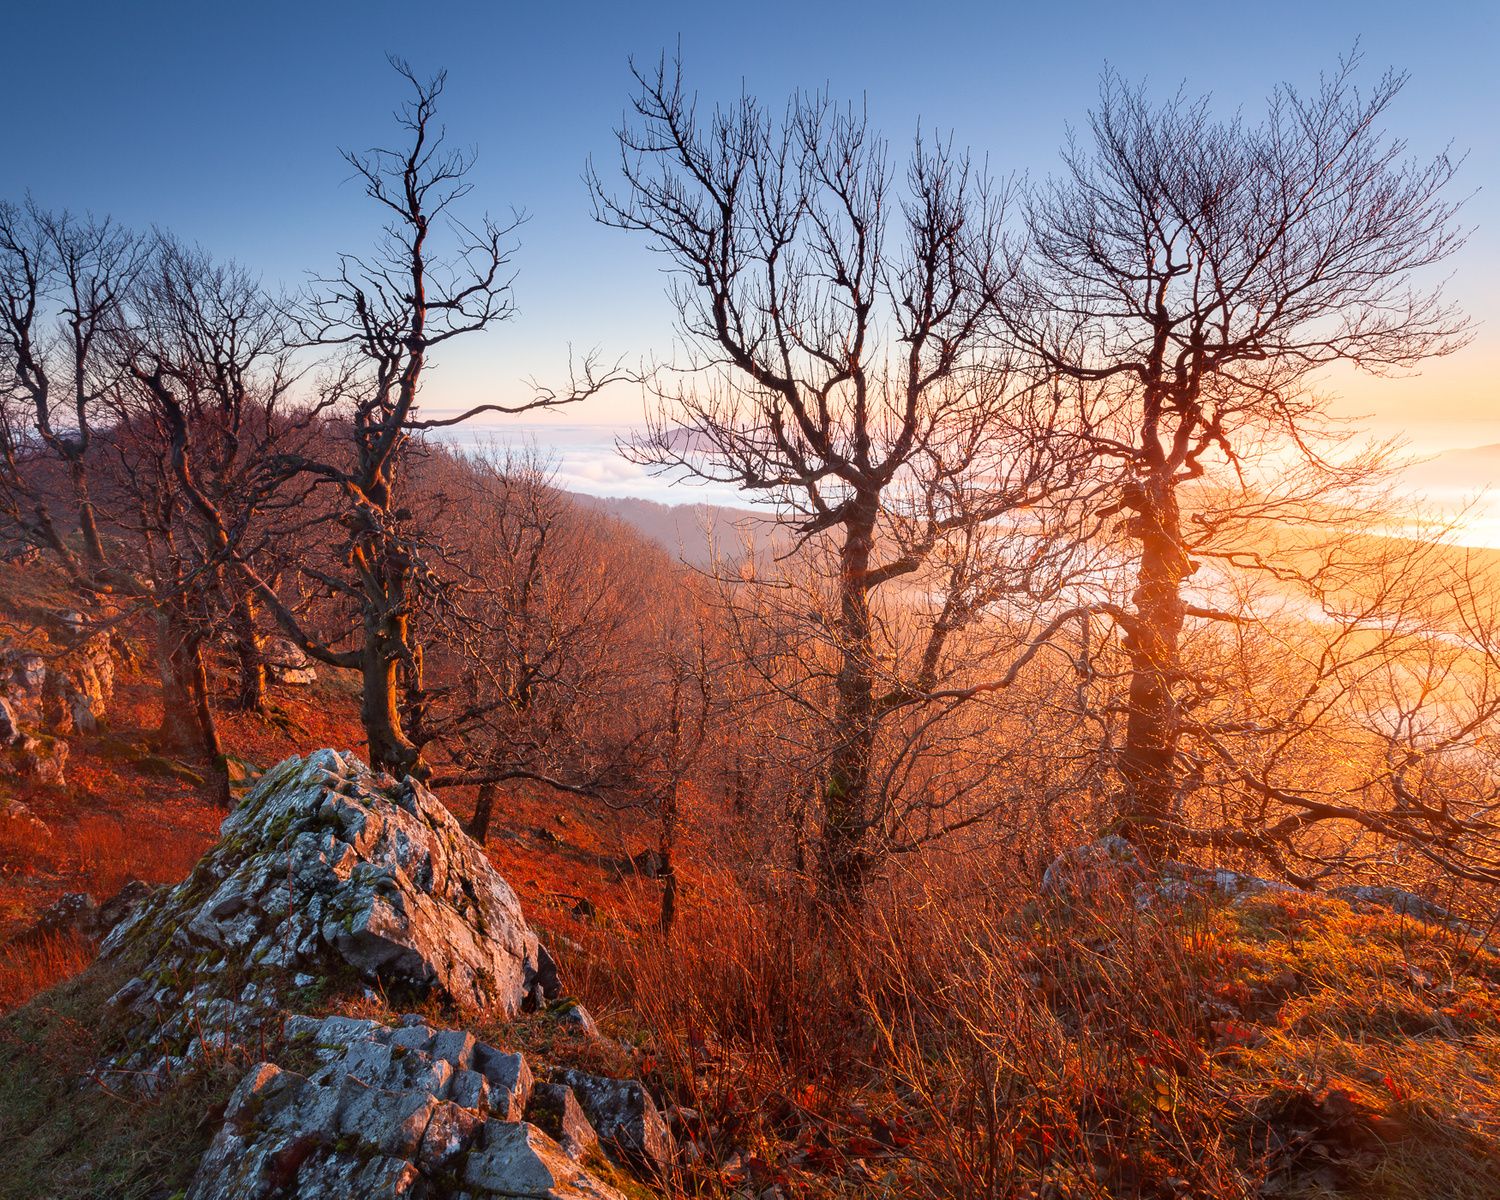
[223,123]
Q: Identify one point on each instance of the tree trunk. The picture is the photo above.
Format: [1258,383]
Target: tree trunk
[208,727]
[252,690]
[390,749]
[180,729]
[844,853]
[1147,758]
[91,543]
[46,531]
[484,807]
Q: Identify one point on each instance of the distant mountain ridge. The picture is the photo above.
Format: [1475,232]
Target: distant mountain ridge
[689,531]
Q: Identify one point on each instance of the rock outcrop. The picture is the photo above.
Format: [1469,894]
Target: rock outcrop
[286,663]
[81,684]
[327,868]
[410,1112]
[625,1118]
[79,913]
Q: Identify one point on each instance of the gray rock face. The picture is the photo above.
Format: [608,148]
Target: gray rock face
[23,673]
[624,1117]
[520,1160]
[286,663]
[555,1110]
[41,758]
[326,863]
[379,1119]
[79,686]
[1084,870]
[77,912]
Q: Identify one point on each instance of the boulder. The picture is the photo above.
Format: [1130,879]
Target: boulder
[10,727]
[379,1119]
[80,684]
[624,1117]
[79,913]
[23,673]
[326,867]
[518,1159]
[1110,862]
[286,663]
[573,1017]
[555,1110]
[43,759]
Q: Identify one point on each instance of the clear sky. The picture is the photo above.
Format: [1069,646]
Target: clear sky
[223,123]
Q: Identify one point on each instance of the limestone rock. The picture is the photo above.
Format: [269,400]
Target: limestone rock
[79,686]
[23,673]
[623,1115]
[286,663]
[380,1119]
[1085,870]
[573,1016]
[325,863]
[520,1160]
[43,759]
[555,1110]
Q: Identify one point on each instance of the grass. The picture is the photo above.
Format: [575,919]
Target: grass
[969,1040]
[58,1140]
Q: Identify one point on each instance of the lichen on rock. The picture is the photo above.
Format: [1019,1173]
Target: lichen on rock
[327,867]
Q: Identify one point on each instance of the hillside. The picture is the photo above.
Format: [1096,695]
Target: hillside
[1215,1042]
[694,533]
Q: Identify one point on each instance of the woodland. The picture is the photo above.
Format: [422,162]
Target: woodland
[1068,551]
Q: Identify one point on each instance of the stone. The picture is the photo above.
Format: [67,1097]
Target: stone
[555,1110]
[574,1017]
[450,1132]
[10,726]
[455,1046]
[623,1115]
[286,663]
[382,1118]
[326,863]
[79,685]
[509,1078]
[517,1159]
[470,1089]
[1110,862]
[40,758]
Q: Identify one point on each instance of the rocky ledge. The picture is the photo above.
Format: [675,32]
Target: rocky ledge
[328,866]
[420,1113]
[328,871]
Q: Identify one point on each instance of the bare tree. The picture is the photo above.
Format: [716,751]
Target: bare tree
[841,373]
[206,407]
[388,312]
[1192,275]
[63,281]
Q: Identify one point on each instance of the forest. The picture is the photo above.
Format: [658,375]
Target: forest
[1080,782]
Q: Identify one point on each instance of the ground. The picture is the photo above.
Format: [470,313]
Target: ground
[958,1038]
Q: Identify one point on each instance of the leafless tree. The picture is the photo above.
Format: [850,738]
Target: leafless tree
[63,281]
[387,313]
[841,371]
[1192,275]
[204,405]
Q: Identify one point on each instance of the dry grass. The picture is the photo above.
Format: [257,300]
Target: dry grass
[30,967]
[109,851]
[964,1039]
